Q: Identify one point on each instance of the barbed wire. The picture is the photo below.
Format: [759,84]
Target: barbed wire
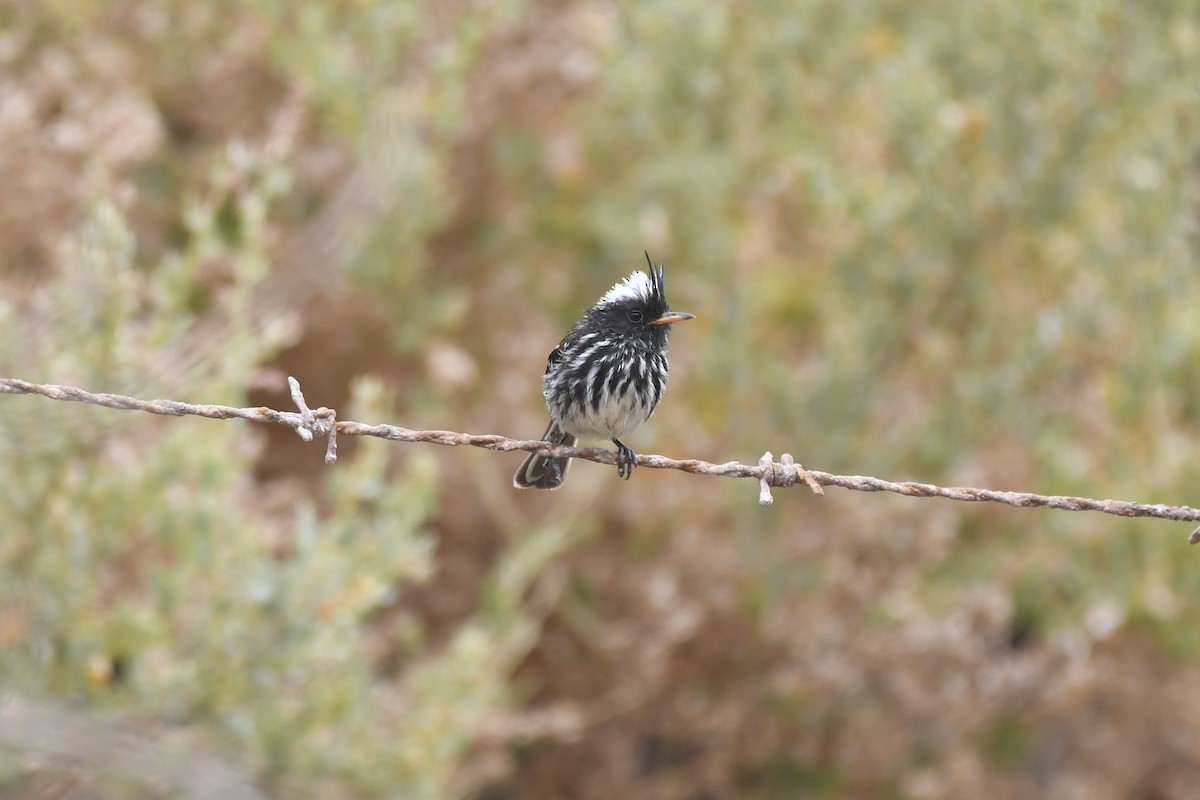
[309,423]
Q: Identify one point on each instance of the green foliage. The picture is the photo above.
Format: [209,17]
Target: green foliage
[912,190]
[913,232]
[945,241]
[354,59]
[141,569]
[1007,742]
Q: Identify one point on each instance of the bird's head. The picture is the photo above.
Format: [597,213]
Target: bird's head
[637,306]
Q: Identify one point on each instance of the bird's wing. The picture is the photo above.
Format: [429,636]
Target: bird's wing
[556,355]
[568,343]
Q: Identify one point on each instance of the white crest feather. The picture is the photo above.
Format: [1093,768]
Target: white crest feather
[637,286]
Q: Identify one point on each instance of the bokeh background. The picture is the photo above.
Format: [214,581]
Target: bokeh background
[943,241]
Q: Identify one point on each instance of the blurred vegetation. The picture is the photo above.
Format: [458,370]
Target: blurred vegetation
[941,241]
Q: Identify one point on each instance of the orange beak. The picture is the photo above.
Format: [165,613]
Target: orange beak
[671,317]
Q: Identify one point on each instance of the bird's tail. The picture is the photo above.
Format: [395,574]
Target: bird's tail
[540,472]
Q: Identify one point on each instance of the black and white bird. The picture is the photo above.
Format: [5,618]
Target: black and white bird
[607,375]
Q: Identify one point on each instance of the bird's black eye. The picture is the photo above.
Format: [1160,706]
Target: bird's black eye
[635,315]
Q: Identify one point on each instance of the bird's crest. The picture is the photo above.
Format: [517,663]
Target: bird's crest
[648,288]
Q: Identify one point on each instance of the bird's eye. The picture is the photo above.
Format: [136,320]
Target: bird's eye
[635,316]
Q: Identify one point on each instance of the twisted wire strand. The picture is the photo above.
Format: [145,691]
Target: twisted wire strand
[769,473]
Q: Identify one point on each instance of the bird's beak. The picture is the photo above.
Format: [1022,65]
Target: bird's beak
[671,317]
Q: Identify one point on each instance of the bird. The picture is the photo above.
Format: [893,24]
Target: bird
[607,375]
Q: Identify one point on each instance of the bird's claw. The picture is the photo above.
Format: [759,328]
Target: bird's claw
[626,461]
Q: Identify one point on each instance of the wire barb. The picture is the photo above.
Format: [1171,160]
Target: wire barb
[323,422]
[786,473]
[305,428]
[766,466]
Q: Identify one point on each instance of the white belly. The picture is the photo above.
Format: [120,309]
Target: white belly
[615,418]
[619,410]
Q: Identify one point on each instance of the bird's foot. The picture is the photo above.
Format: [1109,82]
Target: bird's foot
[626,460]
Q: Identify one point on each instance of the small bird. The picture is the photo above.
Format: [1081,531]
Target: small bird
[607,375]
